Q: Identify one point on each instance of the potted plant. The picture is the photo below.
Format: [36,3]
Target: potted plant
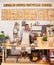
[44,39]
[2,37]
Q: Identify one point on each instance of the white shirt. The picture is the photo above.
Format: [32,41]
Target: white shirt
[24,31]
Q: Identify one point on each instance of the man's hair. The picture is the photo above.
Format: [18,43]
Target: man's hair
[26,24]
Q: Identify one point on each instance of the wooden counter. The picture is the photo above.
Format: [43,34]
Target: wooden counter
[41,45]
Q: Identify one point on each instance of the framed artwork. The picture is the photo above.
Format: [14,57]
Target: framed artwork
[23,23]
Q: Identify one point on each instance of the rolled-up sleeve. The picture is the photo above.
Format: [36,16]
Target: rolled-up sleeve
[31,34]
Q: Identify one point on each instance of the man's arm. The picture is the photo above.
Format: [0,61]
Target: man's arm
[31,33]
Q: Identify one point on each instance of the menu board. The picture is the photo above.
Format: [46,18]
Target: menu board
[19,14]
[27,14]
[43,14]
[51,14]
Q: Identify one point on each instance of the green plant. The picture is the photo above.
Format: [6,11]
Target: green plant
[44,38]
[2,36]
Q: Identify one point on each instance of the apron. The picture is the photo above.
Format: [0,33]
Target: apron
[25,39]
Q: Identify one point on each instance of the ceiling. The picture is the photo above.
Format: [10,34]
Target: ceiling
[3,1]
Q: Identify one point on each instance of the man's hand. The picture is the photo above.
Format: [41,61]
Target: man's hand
[31,30]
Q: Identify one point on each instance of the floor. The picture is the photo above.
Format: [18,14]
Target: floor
[21,64]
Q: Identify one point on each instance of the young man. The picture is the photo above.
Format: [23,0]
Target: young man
[25,30]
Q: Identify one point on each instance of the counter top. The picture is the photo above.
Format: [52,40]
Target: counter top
[40,44]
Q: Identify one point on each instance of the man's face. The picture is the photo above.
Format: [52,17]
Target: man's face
[26,27]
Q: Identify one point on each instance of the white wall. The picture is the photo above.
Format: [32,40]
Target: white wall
[26,0]
[7,26]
